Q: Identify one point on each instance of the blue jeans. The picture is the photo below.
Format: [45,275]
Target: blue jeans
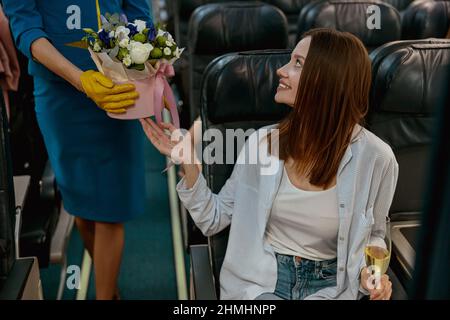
[299,277]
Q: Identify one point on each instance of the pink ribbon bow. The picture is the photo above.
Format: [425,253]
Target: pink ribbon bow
[162,90]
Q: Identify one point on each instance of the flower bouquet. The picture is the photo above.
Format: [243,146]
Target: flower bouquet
[137,53]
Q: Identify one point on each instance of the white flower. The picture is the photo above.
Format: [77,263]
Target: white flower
[127,60]
[111,34]
[130,44]
[167,51]
[122,33]
[165,34]
[140,24]
[97,47]
[177,53]
[139,52]
[161,33]
[124,43]
[169,43]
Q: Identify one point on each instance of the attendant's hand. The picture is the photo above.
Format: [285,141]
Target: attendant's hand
[382,291]
[107,95]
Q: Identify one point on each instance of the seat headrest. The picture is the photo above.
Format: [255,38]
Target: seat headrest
[399,4]
[290,6]
[410,76]
[241,87]
[186,7]
[236,26]
[352,17]
[426,19]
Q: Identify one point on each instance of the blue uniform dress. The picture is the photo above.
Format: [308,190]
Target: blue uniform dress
[98,161]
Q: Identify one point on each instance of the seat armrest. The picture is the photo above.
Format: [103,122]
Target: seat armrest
[15,284]
[402,247]
[21,185]
[60,239]
[398,291]
[202,276]
[40,218]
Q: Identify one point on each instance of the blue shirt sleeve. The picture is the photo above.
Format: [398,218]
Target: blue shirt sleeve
[26,23]
[137,9]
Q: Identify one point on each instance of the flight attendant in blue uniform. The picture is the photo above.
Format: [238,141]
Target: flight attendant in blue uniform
[98,161]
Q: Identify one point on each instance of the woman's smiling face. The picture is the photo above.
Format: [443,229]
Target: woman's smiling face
[290,74]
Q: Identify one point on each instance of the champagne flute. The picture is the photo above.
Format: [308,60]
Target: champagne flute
[378,255]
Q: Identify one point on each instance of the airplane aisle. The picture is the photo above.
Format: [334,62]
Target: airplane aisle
[147,270]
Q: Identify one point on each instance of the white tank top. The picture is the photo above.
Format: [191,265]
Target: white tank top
[304,223]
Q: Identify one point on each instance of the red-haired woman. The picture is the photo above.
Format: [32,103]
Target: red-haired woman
[304,232]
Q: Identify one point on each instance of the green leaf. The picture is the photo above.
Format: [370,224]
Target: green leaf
[115,18]
[122,53]
[108,27]
[139,67]
[88,30]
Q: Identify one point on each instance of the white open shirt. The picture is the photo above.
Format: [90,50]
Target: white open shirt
[366,181]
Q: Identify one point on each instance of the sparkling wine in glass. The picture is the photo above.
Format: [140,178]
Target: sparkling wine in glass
[378,254]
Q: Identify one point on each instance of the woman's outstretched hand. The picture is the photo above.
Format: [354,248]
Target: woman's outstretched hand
[178,147]
[174,144]
[158,137]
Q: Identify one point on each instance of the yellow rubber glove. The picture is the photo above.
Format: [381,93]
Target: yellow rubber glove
[114,98]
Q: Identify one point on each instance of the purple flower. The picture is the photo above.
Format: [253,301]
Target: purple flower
[151,32]
[133,29]
[123,18]
[103,19]
[104,37]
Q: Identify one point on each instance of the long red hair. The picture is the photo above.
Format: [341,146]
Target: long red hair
[332,98]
